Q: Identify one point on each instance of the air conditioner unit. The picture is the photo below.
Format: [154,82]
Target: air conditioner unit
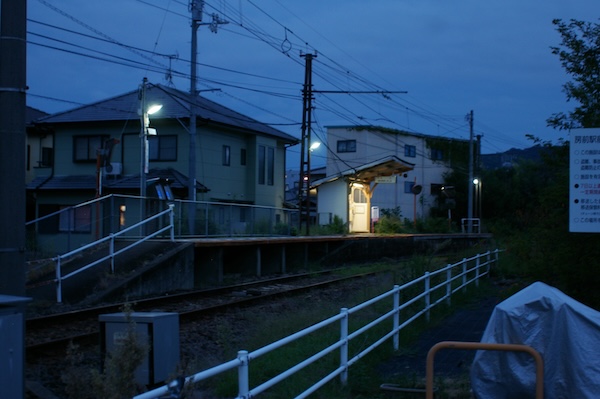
[114,169]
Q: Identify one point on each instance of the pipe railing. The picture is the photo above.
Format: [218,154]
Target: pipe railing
[539,362]
[470,270]
[111,245]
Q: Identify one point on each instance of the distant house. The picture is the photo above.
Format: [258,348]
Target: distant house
[38,151]
[372,168]
[97,151]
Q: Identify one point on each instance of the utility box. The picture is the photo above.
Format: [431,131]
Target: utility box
[12,346]
[157,331]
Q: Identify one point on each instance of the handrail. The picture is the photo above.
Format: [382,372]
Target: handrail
[539,362]
[112,252]
[245,358]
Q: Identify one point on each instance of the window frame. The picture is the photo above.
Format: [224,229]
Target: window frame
[410,150]
[437,154]
[344,146]
[226,155]
[158,144]
[91,153]
[266,165]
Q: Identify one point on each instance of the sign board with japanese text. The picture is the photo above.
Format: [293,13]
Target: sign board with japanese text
[386,179]
[584,185]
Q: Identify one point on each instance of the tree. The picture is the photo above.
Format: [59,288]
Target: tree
[579,54]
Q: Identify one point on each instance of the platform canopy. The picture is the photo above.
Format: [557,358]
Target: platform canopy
[367,173]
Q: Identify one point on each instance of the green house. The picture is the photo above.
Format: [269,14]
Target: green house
[98,150]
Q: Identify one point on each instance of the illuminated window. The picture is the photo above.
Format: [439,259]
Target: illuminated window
[122,210]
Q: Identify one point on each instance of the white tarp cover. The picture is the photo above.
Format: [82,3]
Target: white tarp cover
[565,332]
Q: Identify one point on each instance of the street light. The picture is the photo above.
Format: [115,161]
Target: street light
[478,185]
[144,111]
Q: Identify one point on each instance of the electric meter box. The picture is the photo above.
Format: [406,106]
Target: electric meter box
[12,346]
[157,331]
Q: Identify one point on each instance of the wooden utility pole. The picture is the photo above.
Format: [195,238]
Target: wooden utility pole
[304,183]
[13,15]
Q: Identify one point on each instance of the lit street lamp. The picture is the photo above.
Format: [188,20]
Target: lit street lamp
[145,131]
[477,182]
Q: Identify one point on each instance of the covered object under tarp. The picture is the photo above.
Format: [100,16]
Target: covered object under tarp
[565,332]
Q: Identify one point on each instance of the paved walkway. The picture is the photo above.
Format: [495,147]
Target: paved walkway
[466,324]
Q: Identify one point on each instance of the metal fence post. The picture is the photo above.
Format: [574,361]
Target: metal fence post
[243,379]
[396,338]
[488,260]
[58,281]
[477,271]
[449,284]
[464,275]
[111,252]
[344,347]
[172,220]
[427,295]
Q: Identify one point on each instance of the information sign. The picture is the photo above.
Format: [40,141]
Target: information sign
[584,192]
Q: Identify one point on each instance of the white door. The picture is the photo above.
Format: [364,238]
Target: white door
[359,211]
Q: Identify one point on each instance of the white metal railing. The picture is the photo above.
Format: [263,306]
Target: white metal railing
[438,286]
[112,253]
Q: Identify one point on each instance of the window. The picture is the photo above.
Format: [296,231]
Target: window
[162,148]
[47,157]
[85,147]
[261,164]
[437,154]
[75,219]
[226,155]
[243,157]
[270,166]
[410,151]
[346,146]
[266,165]
[408,185]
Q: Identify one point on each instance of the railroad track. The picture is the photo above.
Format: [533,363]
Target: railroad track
[50,335]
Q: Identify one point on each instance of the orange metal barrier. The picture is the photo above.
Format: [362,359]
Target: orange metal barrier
[539,363]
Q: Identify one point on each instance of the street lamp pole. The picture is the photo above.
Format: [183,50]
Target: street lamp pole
[144,120]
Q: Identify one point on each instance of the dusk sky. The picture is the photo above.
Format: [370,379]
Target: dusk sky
[492,57]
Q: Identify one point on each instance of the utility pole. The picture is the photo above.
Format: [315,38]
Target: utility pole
[304,184]
[196,8]
[470,184]
[13,16]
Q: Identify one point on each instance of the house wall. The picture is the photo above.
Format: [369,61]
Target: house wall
[372,145]
[332,201]
[234,182]
[33,155]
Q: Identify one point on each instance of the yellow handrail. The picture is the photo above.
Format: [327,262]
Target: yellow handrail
[539,363]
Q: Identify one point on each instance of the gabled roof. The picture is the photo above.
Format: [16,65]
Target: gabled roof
[176,179]
[388,166]
[32,114]
[176,105]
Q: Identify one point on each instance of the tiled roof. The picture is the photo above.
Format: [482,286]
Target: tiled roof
[32,114]
[176,179]
[176,104]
